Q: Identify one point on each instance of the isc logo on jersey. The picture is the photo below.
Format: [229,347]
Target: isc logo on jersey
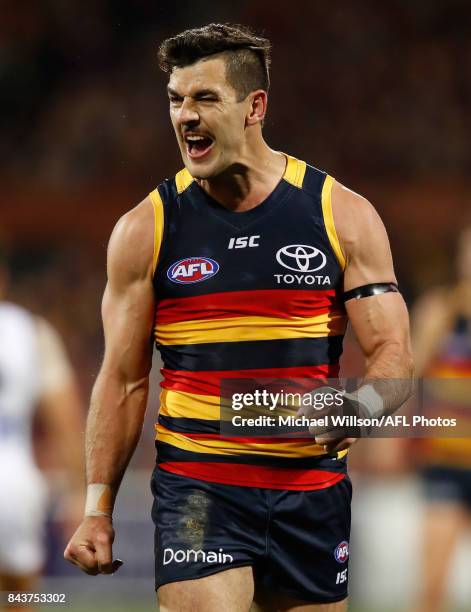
[192,270]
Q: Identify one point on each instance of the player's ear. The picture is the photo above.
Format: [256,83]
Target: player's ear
[257,107]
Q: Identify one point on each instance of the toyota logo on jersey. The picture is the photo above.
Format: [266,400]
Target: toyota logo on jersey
[301,258]
[341,552]
[192,270]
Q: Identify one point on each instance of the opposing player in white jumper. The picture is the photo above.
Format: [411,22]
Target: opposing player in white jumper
[36,380]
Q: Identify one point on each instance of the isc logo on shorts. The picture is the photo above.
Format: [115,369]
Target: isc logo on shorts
[192,270]
[341,552]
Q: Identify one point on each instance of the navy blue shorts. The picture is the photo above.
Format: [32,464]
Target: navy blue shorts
[296,541]
[447,484]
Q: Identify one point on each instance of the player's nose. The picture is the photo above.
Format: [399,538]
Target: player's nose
[188,114]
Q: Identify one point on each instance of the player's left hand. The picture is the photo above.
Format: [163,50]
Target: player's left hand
[335,404]
[323,414]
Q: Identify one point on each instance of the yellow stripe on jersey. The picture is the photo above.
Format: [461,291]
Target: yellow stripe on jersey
[295,171]
[158,225]
[215,446]
[244,329]
[294,174]
[181,404]
[329,220]
[183,180]
[189,405]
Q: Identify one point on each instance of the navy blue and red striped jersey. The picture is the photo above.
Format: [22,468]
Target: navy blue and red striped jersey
[253,294]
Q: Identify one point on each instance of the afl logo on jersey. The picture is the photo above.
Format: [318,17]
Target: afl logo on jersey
[192,270]
[341,552]
[301,258]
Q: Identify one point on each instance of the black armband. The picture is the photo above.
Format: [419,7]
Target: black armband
[369,290]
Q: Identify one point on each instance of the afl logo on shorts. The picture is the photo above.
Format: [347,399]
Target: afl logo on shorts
[341,552]
[192,270]
[301,258]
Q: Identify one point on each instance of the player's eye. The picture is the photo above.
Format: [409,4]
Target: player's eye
[207,99]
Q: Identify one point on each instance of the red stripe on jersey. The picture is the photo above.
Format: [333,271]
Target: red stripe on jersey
[209,382]
[255,475]
[283,303]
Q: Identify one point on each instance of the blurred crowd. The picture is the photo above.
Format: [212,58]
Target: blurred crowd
[379,88]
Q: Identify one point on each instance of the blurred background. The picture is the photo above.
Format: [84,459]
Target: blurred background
[377,94]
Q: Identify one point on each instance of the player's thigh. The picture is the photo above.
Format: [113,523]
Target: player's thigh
[442,525]
[443,522]
[230,590]
[445,517]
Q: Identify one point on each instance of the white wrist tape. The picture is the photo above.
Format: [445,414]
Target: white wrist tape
[371,400]
[99,500]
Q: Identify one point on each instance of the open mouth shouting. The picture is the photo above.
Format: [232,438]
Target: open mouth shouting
[198,145]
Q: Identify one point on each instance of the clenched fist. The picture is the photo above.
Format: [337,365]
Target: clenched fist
[91,546]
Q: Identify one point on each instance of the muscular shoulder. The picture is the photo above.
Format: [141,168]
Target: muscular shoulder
[355,218]
[131,246]
[362,238]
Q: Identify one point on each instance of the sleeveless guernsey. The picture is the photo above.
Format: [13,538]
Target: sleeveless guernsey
[244,295]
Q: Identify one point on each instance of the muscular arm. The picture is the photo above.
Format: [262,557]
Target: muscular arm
[120,393]
[119,396]
[380,322]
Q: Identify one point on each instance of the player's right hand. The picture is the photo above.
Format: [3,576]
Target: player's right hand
[91,546]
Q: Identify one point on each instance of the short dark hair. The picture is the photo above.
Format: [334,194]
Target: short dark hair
[247,55]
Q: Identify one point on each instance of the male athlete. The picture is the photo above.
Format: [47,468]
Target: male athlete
[238,267]
[36,380]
